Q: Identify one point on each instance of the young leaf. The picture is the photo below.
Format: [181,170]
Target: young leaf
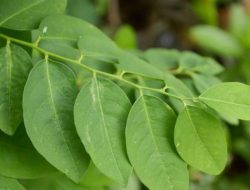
[100,112]
[10,184]
[206,36]
[229,98]
[26,14]
[15,64]
[49,97]
[150,145]
[14,161]
[200,140]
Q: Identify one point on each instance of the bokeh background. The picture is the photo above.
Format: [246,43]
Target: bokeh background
[216,28]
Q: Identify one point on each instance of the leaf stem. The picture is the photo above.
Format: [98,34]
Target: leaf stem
[94,71]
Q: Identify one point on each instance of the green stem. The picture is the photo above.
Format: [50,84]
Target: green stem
[94,71]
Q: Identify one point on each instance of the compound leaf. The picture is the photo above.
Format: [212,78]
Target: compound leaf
[150,145]
[231,98]
[100,113]
[49,97]
[15,64]
[200,140]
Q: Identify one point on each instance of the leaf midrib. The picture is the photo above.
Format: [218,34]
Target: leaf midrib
[20,11]
[224,102]
[9,73]
[154,141]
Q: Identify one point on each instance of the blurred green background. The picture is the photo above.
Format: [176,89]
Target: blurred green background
[216,28]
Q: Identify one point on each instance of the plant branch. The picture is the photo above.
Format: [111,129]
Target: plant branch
[94,71]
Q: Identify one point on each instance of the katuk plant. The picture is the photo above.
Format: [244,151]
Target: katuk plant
[74,108]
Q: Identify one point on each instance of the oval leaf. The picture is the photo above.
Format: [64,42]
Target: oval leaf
[14,161]
[230,99]
[150,144]
[200,140]
[27,14]
[15,64]
[100,112]
[49,97]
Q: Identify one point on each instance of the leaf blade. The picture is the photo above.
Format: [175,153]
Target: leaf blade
[96,122]
[14,161]
[200,140]
[229,98]
[48,102]
[150,145]
[32,11]
[15,65]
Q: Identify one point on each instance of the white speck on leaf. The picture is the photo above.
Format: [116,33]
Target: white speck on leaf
[178,144]
[45,29]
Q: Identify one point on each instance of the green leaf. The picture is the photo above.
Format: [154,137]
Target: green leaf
[84,9]
[203,82]
[192,62]
[63,31]
[10,184]
[125,37]
[60,48]
[231,99]
[49,97]
[62,40]
[56,181]
[14,161]
[206,11]
[238,21]
[133,184]
[176,87]
[200,140]
[133,64]
[216,40]
[98,48]
[100,113]
[15,64]
[162,58]
[27,14]
[91,176]
[150,145]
